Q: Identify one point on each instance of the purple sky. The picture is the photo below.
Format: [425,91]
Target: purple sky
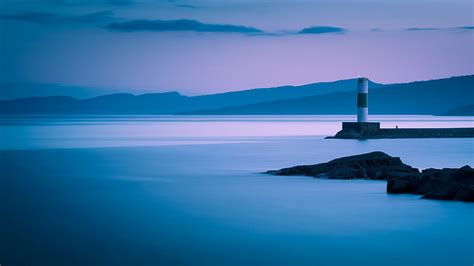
[73,42]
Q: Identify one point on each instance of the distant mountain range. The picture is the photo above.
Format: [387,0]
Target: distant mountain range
[432,97]
[467,110]
[15,90]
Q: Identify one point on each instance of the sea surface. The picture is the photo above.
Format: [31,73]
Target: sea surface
[188,190]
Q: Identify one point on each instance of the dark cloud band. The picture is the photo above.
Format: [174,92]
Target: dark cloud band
[322,30]
[465,28]
[422,29]
[178,25]
[56,19]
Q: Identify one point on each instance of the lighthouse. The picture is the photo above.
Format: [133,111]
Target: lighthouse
[362,128]
[362,99]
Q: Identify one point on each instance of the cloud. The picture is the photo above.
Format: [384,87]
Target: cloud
[89,3]
[465,28]
[422,29]
[56,19]
[34,17]
[177,25]
[186,6]
[120,2]
[322,30]
[462,28]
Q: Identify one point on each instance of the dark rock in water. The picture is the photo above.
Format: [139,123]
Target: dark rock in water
[443,184]
[451,184]
[374,165]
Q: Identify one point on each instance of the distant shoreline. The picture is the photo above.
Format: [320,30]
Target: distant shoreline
[325,98]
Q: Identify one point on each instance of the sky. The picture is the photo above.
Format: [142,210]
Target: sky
[210,46]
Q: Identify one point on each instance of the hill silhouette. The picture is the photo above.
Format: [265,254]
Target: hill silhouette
[422,97]
[165,103]
[432,97]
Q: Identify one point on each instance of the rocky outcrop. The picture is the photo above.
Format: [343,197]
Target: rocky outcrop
[445,184]
[374,165]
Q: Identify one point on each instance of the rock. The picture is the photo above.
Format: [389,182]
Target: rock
[448,184]
[399,186]
[465,193]
[442,184]
[443,192]
[374,165]
[399,182]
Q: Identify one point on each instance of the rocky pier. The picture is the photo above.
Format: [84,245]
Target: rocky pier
[372,130]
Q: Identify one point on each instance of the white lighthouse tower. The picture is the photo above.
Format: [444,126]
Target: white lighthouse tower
[362,100]
[361,129]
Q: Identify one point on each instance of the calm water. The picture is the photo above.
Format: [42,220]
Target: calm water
[187,190]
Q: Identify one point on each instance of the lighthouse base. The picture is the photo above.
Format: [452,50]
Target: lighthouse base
[361,127]
[359,130]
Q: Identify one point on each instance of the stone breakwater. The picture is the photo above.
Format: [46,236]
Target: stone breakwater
[443,184]
[372,130]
